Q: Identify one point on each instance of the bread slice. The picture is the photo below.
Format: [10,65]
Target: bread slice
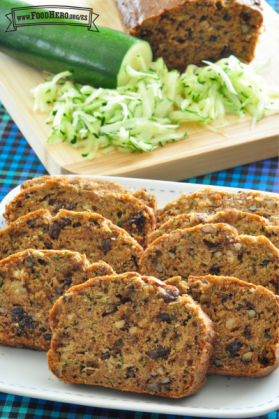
[211,201]
[82,232]
[185,32]
[246,322]
[122,210]
[214,249]
[143,195]
[244,222]
[132,333]
[30,283]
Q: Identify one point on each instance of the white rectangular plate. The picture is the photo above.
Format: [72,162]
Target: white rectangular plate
[25,372]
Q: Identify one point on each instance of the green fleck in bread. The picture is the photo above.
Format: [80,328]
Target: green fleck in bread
[244,222]
[214,249]
[143,195]
[122,210]
[246,322]
[82,232]
[211,201]
[30,283]
[132,333]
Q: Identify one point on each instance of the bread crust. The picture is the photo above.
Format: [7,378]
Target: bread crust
[143,195]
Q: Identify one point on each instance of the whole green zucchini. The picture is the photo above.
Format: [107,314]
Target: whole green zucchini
[96,58]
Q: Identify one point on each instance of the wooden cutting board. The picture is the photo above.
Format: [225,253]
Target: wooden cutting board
[203,152]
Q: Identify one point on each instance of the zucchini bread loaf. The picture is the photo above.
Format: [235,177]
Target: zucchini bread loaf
[132,333]
[186,32]
[246,321]
[123,210]
[211,201]
[143,195]
[30,283]
[244,222]
[214,249]
[82,232]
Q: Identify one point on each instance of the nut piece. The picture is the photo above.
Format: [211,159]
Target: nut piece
[245,29]
[120,324]
[251,313]
[160,371]
[218,363]
[238,246]
[138,356]
[174,235]
[159,269]
[17,274]
[17,290]
[247,357]
[144,323]
[271,204]
[230,323]
[208,229]
[230,256]
[133,330]
[152,387]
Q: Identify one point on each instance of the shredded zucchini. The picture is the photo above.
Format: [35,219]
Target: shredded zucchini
[145,113]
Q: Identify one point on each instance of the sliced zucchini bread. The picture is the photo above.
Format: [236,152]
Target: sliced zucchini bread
[131,333]
[122,210]
[83,232]
[187,32]
[246,321]
[211,201]
[214,249]
[244,222]
[30,283]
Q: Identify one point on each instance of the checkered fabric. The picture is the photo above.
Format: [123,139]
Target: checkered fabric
[15,407]
[274,4]
[18,162]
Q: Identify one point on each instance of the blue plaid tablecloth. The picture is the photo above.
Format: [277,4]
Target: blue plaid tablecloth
[18,162]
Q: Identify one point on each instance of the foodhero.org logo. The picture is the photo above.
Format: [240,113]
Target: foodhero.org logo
[52,15]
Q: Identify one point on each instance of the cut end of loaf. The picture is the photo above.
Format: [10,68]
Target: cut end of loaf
[188,32]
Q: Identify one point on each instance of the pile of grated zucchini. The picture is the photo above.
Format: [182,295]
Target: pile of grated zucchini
[146,112]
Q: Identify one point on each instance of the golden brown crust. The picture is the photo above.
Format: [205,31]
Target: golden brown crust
[143,195]
[122,210]
[154,292]
[246,322]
